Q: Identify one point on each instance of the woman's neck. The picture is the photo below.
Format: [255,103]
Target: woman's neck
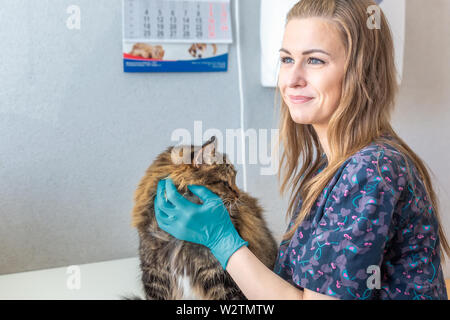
[321,131]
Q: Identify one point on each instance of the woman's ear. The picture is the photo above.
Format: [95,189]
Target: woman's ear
[206,154]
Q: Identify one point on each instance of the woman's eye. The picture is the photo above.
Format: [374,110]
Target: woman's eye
[315,61]
[283,59]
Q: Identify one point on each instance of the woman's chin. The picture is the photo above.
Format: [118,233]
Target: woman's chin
[300,118]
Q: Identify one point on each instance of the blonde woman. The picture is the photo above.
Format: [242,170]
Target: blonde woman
[364,216]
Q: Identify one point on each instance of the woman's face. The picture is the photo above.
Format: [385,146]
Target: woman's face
[312,63]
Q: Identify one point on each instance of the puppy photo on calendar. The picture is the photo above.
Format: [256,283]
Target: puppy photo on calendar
[147,51]
[199,50]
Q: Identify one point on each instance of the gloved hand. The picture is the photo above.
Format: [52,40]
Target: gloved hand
[208,224]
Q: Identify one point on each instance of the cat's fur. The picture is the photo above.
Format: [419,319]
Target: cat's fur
[171,266]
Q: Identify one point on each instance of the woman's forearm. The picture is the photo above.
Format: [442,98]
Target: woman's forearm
[258,282]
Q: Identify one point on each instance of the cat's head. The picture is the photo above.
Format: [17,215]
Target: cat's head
[205,166]
[186,165]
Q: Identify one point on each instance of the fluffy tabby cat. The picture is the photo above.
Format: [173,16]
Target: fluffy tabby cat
[174,269]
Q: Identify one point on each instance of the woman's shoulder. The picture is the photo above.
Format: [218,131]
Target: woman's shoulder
[380,161]
[380,152]
[384,144]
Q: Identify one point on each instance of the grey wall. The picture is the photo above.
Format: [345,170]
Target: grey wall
[76,133]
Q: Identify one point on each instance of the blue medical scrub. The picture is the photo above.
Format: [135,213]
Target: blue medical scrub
[367,225]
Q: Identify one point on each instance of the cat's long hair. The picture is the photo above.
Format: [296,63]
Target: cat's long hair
[368,97]
[165,260]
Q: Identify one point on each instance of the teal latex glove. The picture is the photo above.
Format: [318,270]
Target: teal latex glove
[208,224]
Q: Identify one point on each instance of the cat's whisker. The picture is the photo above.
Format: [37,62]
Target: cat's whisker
[227,204]
[230,203]
[218,204]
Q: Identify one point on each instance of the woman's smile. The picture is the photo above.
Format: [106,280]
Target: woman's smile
[300,99]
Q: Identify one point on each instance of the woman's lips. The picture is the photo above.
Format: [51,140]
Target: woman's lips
[300,99]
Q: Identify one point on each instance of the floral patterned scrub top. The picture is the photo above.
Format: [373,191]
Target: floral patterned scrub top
[360,223]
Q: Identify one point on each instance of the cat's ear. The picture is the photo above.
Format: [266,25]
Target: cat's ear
[206,154]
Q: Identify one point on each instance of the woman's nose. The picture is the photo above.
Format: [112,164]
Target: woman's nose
[296,78]
[296,81]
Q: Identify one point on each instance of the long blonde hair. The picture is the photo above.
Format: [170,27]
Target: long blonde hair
[363,115]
